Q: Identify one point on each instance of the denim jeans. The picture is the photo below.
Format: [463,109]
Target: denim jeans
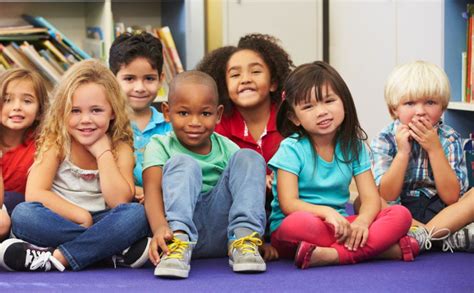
[11,199]
[236,201]
[113,231]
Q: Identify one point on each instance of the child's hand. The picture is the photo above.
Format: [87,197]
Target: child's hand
[342,228]
[139,196]
[423,132]
[269,181]
[160,237]
[269,252]
[402,138]
[100,146]
[359,235]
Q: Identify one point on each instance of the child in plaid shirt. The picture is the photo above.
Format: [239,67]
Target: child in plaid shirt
[418,160]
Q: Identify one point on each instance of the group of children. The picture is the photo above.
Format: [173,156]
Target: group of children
[91,177]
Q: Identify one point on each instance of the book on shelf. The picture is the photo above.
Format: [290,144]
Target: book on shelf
[165,35]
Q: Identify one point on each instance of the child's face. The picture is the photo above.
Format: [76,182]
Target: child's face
[90,115]
[193,112]
[320,118]
[140,82]
[20,105]
[411,110]
[248,80]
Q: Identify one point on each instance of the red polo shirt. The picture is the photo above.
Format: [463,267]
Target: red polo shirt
[16,164]
[235,129]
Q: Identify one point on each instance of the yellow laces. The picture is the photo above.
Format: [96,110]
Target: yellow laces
[247,244]
[177,248]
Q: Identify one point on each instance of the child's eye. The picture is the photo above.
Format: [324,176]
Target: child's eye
[183,113]
[234,75]
[97,110]
[151,78]
[6,99]
[306,107]
[256,71]
[408,103]
[431,102]
[328,101]
[75,111]
[128,78]
[206,114]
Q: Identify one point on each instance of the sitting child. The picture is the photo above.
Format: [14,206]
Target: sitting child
[418,159]
[137,62]
[213,193]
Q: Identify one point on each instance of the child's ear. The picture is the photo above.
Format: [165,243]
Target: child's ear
[165,109]
[294,119]
[273,87]
[220,110]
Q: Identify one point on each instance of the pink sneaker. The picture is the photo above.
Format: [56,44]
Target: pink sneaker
[303,254]
[410,248]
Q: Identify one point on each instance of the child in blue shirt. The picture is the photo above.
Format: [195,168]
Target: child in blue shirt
[137,62]
[203,195]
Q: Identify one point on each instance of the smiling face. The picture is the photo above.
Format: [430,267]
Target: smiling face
[193,111]
[20,105]
[140,82]
[320,118]
[248,80]
[90,114]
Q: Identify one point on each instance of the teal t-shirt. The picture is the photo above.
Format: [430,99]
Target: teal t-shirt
[162,147]
[319,182]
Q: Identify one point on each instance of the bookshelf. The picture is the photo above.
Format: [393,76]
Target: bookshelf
[73,17]
[459,115]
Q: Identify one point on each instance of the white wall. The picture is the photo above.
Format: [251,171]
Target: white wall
[369,38]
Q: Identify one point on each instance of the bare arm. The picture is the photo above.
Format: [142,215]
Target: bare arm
[38,188]
[155,211]
[116,175]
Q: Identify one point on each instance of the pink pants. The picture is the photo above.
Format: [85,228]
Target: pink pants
[388,227]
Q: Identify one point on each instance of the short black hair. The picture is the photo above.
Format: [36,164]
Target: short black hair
[127,47]
[193,77]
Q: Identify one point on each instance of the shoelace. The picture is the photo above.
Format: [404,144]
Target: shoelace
[247,244]
[431,236]
[455,241]
[177,248]
[42,259]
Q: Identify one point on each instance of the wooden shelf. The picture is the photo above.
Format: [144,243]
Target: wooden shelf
[461,106]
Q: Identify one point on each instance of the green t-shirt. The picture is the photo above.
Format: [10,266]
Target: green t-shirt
[162,147]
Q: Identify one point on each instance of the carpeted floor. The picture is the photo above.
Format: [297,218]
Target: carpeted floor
[431,272]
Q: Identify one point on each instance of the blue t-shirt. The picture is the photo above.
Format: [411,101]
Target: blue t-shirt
[319,182]
[156,125]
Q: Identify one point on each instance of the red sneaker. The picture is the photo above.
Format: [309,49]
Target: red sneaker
[410,248]
[303,254]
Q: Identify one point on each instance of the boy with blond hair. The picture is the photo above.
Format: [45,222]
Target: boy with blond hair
[418,160]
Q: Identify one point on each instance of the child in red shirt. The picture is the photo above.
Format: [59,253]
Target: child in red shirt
[23,100]
[250,78]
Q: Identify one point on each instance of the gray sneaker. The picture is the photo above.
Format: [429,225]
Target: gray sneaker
[424,237]
[176,264]
[462,240]
[244,255]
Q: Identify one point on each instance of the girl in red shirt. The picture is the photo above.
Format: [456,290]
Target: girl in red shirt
[23,100]
[249,78]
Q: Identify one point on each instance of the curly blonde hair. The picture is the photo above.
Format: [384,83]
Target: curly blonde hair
[54,131]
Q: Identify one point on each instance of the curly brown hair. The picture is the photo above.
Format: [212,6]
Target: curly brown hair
[268,47]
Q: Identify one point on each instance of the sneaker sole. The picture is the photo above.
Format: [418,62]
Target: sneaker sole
[143,258]
[3,247]
[248,267]
[171,273]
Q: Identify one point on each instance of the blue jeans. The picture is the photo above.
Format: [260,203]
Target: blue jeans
[11,199]
[236,201]
[113,231]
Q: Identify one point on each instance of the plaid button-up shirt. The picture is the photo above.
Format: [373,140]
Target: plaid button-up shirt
[419,178]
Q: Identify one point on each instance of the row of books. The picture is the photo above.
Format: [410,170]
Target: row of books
[467,79]
[38,46]
[172,64]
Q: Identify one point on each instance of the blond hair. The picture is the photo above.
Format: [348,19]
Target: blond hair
[54,131]
[414,81]
[39,89]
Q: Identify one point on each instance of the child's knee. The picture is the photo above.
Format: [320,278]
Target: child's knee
[182,161]
[24,211]
[248,158]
